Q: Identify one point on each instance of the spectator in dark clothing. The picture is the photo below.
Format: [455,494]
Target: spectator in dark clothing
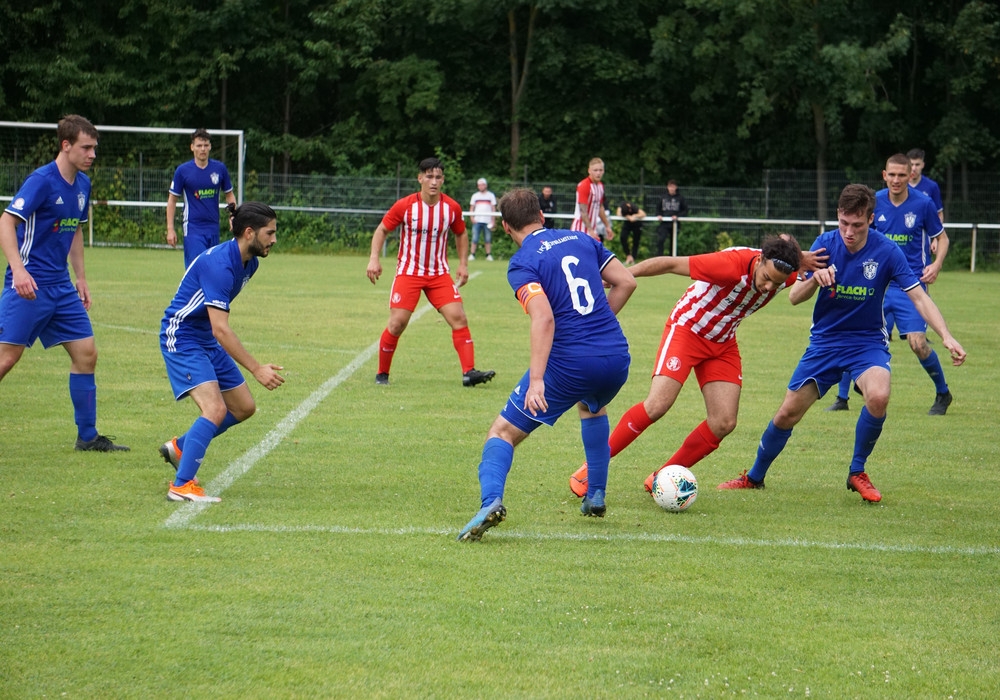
[631,229]
[670,207]
[547,203]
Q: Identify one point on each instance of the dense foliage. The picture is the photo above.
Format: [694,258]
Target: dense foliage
[708,91]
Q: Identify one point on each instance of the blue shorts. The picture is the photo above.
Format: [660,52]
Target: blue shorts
[197,241]
[56,315]
[826,365]
[594,381]
[192,364]
[904,314]
[483,229]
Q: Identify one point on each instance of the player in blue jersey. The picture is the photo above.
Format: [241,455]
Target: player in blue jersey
[921,182]
[848,334]
[200,182]
[910,219]
[39,230]
[201,350]
[558,276]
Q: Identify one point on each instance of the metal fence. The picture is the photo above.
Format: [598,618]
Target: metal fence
[324,211]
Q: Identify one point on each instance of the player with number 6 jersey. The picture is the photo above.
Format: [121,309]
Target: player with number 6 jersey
[579,355]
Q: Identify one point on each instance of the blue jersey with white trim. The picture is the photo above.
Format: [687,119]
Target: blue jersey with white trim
[50,210]
[850,311]
[911,225]
[932,190]
[567,265]
[215,278]
[201,190]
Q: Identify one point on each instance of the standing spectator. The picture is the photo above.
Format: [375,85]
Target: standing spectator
[700,336]
[848,334]
[558,277]
[483,204]
[200,348]
[199,181]
[39,230]
[590,208]
[422,266]
[670,207]
[923,183]
[631,229]
[547,203]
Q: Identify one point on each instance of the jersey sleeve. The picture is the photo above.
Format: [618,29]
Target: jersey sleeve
[227,183]
[394,217]
[29,198]
[216,283]
[900,269]
[528,292]
[932,221]
[583,193]
[177,182]
[457,225]
[720,268]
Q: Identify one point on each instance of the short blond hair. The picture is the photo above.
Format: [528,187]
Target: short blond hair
[595,161]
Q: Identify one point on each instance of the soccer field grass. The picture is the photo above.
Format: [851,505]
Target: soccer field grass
[330,569]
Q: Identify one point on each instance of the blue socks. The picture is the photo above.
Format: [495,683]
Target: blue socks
[844,389]
[83,394]
[866,434]
[196,441]
[498,455]
[772,442]
[595,432]
[932,365]
[228,422]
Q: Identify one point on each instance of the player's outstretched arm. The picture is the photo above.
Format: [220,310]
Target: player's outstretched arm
[930,313]
[266,374]
[374,260]
[662,265]
[620,283]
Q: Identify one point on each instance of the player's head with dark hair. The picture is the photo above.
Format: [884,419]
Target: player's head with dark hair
[898,159]
[519,208]
[428,164]
[916,154]
[71,126]
[200,134]
[252,215]
[857,199]
[784,253]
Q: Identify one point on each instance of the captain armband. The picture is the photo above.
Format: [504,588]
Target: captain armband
[529,292]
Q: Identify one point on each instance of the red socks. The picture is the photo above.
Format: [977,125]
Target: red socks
[631,426]
[462,340]
[386,349]
[698,445]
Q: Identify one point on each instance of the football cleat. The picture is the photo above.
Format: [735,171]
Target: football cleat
[838,405]
[941,404]
[382,379]
[648,483]
[487,517]
[101,443]
[190,491]
[171,453]
[593,506]
[474,376]
[863,485]
[741,482]
[578,482]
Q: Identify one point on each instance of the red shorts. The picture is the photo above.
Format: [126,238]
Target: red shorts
[405,292]
[682,350]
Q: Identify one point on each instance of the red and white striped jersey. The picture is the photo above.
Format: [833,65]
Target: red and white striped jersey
[589,195]
[722,294]
[423,240]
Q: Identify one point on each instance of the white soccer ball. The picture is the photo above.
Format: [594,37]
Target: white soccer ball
[675,488]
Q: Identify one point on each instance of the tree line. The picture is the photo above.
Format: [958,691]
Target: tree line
[704,91]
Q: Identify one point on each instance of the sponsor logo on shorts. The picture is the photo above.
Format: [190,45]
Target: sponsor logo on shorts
[674,363]
[396,297]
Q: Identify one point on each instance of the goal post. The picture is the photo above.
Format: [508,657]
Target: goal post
[130,176]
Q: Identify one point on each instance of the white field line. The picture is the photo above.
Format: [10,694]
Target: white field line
[636,537]
[186,512]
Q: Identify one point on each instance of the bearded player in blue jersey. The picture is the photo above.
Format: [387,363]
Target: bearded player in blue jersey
[579,355]
[39,230]
[201,349]
[848,334]
[200,182]
[910,219]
